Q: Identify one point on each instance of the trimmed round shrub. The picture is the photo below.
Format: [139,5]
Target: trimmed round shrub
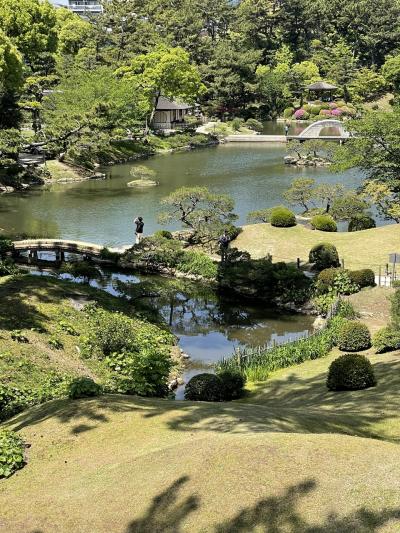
[325,113]
[354,336]
[323,223]
[324,255]
[350,371]
[205,388]
[326,278]
[288,112]
[363,278]
[83,388]
[282,217]
[361,222]
[233,383]
[254,124]
[164,234]
[386,340]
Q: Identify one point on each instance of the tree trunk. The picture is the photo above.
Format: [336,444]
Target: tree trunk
[153,112]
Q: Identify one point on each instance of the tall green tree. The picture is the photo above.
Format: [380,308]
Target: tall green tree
[32,26]
[164,71]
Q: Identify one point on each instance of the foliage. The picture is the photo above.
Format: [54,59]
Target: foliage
[164,234]
[164,71]
[10,65]
[192,262]
[81,269]
[391,71]
[261,278]
[385,197]
[6,246]
[361,222]
[324,255]
[348,206]
[260,362]
[233,383]
[204,387]
[83,388]
[350,372]
[261,215]
[367,84]
[323,302]
[11,453]
[363,278]
[395,308]
[7,267]
[108,255]
[282,217]
[326,278]
[142,172]
[346,310]
[323,223]
[386,339]
[354,336]
[138,354]
[205,213]
[300,192]
[254,124]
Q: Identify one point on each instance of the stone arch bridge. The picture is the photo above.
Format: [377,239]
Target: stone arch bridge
[313,131]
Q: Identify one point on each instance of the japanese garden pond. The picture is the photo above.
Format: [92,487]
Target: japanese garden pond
[102,211]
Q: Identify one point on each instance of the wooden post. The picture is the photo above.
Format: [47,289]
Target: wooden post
[379,277]
[342,262]
[298,263]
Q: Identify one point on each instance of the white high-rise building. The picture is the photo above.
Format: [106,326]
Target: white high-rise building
[80,7]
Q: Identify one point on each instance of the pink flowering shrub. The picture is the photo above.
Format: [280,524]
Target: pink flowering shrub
[336,112]
[299,114]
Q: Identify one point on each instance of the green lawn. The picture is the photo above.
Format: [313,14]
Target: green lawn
[361,249]
[290,457]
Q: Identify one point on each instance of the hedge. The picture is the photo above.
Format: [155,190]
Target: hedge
[350,372]
[323,223]
[282,217]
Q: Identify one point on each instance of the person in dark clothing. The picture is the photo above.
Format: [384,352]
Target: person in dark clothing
[223,242]
[139,229]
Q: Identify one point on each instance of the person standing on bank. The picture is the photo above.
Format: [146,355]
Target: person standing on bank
[223,242]
[287,129]
[139,229]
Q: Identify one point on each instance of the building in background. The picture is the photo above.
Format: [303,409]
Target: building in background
[80,7]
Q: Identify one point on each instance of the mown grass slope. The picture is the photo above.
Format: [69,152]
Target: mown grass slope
[362,249]
[127,465]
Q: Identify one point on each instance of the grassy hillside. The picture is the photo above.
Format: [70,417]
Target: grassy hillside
[48,313]
[126,465]
[362,249]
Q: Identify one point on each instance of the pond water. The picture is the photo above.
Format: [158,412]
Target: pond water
[102,211]
[208,325]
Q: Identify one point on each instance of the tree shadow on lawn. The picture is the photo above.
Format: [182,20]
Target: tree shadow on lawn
[275,514]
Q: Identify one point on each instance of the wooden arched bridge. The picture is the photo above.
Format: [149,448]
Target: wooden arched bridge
[60,247]
[313,131]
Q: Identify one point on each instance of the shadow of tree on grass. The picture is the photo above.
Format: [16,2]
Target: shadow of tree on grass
[274,514]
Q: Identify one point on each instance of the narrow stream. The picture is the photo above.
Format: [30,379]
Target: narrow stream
[208,325]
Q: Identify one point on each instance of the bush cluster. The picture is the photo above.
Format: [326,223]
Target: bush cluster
[161,250]
[350,372]
[323,223]
[262,278]
[318,110]
[354,336]
[324,255]
[254,124]
[226,385]
[282,217]
[138,353]
[363,278]
[11,453]
[83,388]
[386,340]
[361,222]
